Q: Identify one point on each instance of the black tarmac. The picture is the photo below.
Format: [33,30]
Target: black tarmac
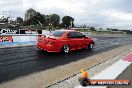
[20,61]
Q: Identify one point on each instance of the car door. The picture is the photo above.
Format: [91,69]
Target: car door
[72,38]
[80,39]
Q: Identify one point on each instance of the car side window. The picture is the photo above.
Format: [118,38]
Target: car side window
[71,35]
[79,35]
[75,35]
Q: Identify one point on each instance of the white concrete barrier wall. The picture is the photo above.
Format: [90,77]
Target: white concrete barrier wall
[28,38]
[24,38]
[45,32]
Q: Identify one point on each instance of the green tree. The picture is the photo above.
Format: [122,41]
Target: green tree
[4,19]
[33,17]
[19,20]
[54,20]
[30,13]
[67,22]
[92,28]
[37,19]
[47,20]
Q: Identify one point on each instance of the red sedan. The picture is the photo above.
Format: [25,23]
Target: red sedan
[64,41]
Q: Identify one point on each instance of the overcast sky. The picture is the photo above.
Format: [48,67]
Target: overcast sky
[104,12]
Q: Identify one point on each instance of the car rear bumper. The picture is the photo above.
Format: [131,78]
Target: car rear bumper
[48,47]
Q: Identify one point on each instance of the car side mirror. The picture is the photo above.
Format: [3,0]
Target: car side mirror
[84,36]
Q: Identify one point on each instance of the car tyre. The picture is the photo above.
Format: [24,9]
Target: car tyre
[90,46]
[66,49]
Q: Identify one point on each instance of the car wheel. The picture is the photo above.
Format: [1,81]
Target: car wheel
[91,46]
[65,49]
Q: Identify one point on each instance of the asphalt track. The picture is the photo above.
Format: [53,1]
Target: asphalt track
[20,61]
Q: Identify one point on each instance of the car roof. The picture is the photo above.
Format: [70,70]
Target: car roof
[66,30]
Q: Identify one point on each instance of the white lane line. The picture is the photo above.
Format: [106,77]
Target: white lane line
[110,72]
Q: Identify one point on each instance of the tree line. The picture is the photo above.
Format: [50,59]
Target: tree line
[35,18]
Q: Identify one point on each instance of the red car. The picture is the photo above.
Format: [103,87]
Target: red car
[64,41]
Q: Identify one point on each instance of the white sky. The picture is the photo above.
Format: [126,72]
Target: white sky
[89,12]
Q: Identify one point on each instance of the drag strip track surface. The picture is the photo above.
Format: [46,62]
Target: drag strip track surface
[20,61]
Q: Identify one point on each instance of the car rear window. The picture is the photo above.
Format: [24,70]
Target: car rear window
[57,33]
